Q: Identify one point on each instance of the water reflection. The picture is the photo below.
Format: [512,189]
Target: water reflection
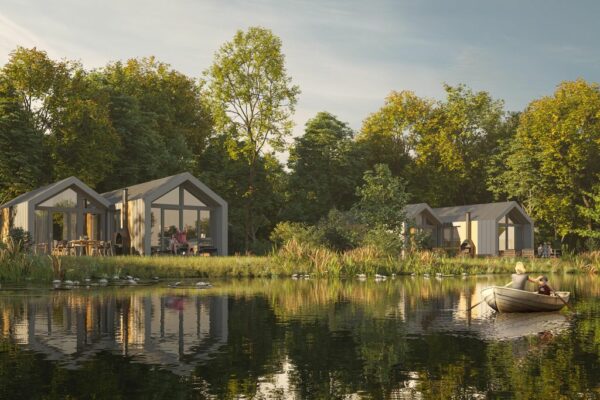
[404,338]
[70,327]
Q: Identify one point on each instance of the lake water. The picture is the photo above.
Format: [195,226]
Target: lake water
[405,338]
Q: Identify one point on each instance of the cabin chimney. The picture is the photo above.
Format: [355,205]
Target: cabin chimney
[468,224]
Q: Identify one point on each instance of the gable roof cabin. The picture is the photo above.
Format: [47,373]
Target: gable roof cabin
[179,202]
[492,227]
[81,209]
[69,209]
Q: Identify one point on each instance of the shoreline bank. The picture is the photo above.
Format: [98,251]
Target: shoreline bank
[45,269]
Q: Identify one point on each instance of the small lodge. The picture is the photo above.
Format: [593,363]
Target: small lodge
[140,219]
[492,229]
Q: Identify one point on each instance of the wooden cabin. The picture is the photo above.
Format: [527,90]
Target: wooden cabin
[493,229]
[151,212]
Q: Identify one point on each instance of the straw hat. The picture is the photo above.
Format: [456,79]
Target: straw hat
[520,268]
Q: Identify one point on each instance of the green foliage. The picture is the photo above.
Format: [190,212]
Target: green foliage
[340,230]
[22,158]
[160,116]
[387,241]
[324,169]
[442,148]
[20,238]
[553,162]
[252,100]
[387,136]
[286,231]
[382,199]
[592,215]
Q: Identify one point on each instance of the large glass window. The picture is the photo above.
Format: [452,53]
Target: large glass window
[65,199]
[190,227]
[171,198]
[503,244]
[190,222]
[170,223]
[63,225]
[191,200]
[42,227]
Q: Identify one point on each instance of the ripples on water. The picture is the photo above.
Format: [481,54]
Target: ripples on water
[404,338]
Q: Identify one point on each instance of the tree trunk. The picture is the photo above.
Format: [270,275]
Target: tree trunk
[250,232]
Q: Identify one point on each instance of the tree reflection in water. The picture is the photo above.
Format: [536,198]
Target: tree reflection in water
[404,338]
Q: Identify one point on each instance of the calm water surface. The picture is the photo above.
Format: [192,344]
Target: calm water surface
[408,338]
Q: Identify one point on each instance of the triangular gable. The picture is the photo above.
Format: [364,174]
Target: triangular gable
[412,210]
[513,205]
[171,183]
[60,186]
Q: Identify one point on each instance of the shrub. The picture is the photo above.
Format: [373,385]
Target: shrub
[340,231]
[285,231]
[21,238]
[386,241]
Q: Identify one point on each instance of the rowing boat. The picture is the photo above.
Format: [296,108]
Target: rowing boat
[509,300]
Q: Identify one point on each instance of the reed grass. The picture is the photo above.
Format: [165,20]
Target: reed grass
[292,258]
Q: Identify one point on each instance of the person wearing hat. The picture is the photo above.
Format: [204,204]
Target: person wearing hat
[520,279]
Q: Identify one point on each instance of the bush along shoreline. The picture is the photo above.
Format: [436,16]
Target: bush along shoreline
[290,259]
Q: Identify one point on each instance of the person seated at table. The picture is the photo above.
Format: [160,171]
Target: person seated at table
[173,244]
[181,236]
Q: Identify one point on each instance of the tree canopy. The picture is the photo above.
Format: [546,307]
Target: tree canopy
[139,119]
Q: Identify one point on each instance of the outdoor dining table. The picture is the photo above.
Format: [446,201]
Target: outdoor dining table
[84,246]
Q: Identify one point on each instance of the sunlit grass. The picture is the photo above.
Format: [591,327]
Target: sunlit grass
[292,258]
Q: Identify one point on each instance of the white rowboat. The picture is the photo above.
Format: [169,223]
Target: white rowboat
[508,300]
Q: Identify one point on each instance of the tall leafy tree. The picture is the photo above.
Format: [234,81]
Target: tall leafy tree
[325,169]
[441,148]
[222,173]
[554,161]
[22,153]
[68,113]
[252,100]
[453,146]
[387,136]
[159,115]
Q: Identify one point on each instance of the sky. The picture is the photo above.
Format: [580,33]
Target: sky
[345,55]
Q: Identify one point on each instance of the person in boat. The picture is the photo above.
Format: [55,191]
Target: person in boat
[520,279]
[543,287]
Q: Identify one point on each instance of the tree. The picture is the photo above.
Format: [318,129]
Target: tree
[252,100]
[160,116]
[222,173]
[382,199]
[387,136]
[22,160]
[324,169]
[64,110]
[441,148]
[452,148]
[554,161]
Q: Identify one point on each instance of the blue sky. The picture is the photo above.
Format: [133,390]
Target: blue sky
[346,56]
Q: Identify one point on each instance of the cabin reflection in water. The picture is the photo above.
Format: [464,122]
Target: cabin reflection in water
[173,331]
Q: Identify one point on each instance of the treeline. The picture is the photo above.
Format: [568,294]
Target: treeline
[137,120]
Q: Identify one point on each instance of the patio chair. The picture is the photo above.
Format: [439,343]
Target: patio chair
[108,249]
[95,247]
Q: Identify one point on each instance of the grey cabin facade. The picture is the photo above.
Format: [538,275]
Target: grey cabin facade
[492,228]
[69,209]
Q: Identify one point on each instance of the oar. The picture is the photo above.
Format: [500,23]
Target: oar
[475,305]
[559,296]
